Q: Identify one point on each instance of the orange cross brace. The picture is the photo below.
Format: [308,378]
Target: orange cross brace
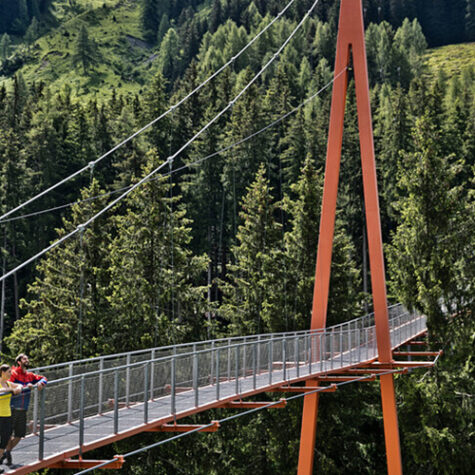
[304,389]
[417,353]
[185,427]
[81,463]
[253,404]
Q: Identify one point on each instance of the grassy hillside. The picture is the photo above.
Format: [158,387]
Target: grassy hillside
[126,60]
[451,58]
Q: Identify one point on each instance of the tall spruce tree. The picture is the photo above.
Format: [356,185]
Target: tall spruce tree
[66,315]
[246,293]
[157,296]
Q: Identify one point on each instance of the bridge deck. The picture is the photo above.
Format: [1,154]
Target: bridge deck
[63,441]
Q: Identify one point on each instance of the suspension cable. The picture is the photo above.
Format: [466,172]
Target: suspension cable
[188,165]
[171,157]
[235,416]
[91,164]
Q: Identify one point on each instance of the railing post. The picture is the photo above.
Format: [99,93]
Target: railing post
[309,351]
[211,374]
[35,410]
[359,344]
[271,360]
[229,359]
[254,363]
[145,392]
[297,358]
[217,374]
[70,394]
[284,372]
[116,401]
[259,353]
[100,396]
[341,347]
[195,375]
[331,348]
[237,369]
[127,381]
[81,413]
[323,337]
[41,444]
[152,375]
[173,385]
[244,366]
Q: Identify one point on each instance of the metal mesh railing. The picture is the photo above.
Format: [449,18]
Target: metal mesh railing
[168,381]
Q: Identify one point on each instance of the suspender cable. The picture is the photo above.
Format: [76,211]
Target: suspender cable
[170,158]
[183,167]
[154,121]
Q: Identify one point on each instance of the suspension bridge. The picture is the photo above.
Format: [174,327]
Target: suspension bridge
[95,402]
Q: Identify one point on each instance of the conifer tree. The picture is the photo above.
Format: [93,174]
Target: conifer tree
[66,313]
[424,259]
[246,294]
[86,52]
[5,43]
[156,296]
[149,19]
[169,57]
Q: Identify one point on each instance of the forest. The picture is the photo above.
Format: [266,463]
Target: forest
[223,241]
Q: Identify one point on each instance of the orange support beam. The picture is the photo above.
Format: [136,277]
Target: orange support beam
[417,353]
[304,389]
[351,41]
[340,379]
[254,404]
[185,427]
[76,464]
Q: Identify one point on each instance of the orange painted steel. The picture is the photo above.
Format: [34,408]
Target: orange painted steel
[304,389]
[77,464]
[185,427]
[341,379]
[350,40]
[254,404]
[417,353]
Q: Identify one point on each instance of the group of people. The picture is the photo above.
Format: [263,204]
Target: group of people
[15,389]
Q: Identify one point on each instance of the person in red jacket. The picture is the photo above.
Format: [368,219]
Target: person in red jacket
[19,404]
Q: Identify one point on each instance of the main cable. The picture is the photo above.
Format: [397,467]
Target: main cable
[91,164]
[188,165]
[235,416]
[169,160]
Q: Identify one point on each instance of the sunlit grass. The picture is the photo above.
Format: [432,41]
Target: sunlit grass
[451,58]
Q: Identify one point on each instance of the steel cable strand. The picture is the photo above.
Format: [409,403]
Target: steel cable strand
[91,164]
[235,416]
[188,165]
[170,159]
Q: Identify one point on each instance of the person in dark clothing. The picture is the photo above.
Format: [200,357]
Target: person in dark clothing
[20,403]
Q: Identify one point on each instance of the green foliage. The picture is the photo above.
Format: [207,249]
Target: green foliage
[177,262]
[86,52]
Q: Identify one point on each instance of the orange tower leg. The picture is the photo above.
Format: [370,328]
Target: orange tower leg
[351,41]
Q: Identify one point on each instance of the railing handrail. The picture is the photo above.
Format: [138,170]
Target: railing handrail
[181,345]
[267,337]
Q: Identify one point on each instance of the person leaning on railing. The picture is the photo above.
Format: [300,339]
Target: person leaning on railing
[6,390]
[19,404]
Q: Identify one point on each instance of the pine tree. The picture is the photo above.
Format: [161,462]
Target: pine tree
[470,21]
[424,259]
[156,294]
[5,47]
[86,52]
[32,32]
[66,313]
[246,293]
[149,19]
[169,57]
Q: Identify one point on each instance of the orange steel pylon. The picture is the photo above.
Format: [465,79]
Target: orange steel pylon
[351,41]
